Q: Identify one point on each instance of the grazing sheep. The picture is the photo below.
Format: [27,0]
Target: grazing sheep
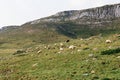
[110,47]
[94,59]
[117,35]
[55,44]
[91,55]
[78,50]
[48,47]
[72,47]
[34,65]
[92,72]
[21,51]
[61,44]
[94,49]
[39,51]
[29,49]
[118,57]
[61,49]
[67,41]
[108,41]
[45,47]
[59,52]
[81,39]
[37,48]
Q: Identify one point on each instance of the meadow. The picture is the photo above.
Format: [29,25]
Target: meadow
[89,59]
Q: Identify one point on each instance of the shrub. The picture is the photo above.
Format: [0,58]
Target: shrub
[111,51]
[19,52]
[106,79]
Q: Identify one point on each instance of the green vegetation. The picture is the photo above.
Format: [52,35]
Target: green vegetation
[49,32]
[48,62]
[61,51]
[111,51]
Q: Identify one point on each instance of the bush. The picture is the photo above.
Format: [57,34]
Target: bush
[19,52]
[111,51]
[106,79]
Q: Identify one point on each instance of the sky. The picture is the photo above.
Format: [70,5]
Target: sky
[18,12]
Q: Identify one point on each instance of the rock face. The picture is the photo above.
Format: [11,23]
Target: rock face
[107,13]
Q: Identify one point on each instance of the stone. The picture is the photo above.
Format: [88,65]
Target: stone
[85,74]
[34,65]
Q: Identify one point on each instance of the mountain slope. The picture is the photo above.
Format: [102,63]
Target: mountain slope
[65,25]
[91,53]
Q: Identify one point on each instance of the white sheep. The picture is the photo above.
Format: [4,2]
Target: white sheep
[61,49]
[61,44]
[78,50]
[55,44]
[108,41]
[39,51]
[72,47]
[34,65]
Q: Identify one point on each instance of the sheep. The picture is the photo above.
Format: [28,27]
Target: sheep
[72,47]
[94,49]
[61,49]
[21,51]
[59,52]
[81,39]
[34,65]
[61,44]
[55,44]
[91,55]
[118,57]
[92,72]
[45,47]
[39,51]
[67,41]
[108,41]
[78,50]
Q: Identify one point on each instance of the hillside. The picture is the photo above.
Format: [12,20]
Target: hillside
[64,25]
[70,45]
[81,59]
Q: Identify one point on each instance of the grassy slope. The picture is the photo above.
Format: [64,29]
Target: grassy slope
[28,35]
[49,64]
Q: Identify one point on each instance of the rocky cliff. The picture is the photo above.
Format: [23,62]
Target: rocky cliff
[106,13]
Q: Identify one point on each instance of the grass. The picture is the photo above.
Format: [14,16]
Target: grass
[85,62]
